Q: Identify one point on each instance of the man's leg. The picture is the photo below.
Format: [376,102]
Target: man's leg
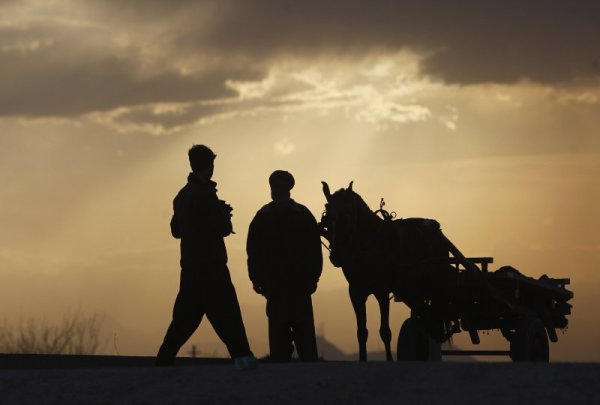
[280,340]
[280,332]
[303,329]
[187,315]
[224,314]
[305,340]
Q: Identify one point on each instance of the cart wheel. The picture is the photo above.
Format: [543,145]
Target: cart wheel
[530,342]
[415,345]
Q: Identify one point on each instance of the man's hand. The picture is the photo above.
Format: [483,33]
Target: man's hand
[227,209]
[226,212]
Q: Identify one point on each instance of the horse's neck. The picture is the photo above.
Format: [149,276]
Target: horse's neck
[368,226]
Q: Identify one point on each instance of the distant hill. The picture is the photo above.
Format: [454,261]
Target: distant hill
[329,351]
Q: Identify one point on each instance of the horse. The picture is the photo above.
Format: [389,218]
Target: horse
[380,256]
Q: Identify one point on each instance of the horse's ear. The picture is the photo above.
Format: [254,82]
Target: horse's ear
[350,186]
[326,191]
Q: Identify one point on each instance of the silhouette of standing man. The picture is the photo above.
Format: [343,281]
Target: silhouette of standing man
[284,265]
[202,221]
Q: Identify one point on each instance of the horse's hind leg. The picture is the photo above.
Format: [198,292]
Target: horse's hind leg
[360,310]
[384,328]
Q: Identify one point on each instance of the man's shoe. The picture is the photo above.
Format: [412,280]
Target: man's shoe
[246,363]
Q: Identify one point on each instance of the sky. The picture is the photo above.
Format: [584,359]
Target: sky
[482,115]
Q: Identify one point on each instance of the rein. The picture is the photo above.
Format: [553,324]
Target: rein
[326,247]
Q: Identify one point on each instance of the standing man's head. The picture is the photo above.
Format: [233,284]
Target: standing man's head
[281,183]
[202,160]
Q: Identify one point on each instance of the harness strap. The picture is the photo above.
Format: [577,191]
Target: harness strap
[326,247]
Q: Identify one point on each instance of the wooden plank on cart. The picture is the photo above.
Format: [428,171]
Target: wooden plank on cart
[468,265]
[482,261]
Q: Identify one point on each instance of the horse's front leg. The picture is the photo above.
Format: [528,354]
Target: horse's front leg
[384,329]
[359,300]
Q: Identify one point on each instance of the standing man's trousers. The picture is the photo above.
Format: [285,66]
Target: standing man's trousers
[291,323]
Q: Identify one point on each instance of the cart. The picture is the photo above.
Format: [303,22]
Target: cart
[527,311]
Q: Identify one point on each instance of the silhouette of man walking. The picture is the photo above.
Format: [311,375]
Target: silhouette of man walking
[202,221]
[284,265]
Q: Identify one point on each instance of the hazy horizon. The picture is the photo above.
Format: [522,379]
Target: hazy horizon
[484,116]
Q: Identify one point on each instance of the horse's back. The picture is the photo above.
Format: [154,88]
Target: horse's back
[420,237]
[424,224]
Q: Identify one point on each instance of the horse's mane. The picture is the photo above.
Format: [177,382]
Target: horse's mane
[361,206]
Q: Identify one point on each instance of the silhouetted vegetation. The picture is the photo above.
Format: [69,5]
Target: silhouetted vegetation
[77,333]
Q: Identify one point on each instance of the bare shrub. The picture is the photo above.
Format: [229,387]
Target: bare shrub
[75,334]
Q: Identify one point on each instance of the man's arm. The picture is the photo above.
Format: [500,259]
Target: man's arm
[313,248]
[174,224]
[175,227]
[219,217]
[254,250]
[202,215]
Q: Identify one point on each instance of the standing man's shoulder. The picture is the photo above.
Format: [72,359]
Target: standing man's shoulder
[203,191]
[261,218]
[182,195]
[201,186]
[302,209]
[265,209]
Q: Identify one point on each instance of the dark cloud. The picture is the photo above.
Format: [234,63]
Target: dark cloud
[57,99]
[469,41]
[56,68]
[47,70]
[153,119]
[163,119]
[101,85]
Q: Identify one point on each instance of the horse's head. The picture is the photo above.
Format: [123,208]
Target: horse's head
[342,221]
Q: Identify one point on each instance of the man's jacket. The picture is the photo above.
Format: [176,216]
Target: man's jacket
[284,250]
[201,221]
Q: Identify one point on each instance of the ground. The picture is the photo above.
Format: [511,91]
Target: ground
[323,382]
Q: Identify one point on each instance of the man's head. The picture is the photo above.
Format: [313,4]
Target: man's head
[202,160]
[281,183]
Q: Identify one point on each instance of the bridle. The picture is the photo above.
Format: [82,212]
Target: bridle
[348,217]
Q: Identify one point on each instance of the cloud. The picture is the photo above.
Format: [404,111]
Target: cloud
[157,118]
[70,66]
[584,97]
[289,89]
[284,147]
[387,111]
[465,41]
[58,76]
[123,59]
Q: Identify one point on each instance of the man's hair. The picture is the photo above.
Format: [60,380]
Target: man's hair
[281,180]
[201,157]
